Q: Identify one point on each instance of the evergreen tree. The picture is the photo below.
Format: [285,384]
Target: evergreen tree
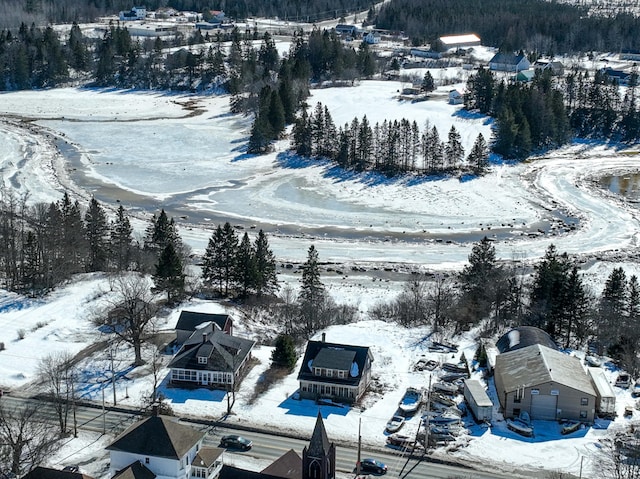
[169,274]
[302,138]
[245,267]
[428,83]
[219,262]
[265,265]
[312,292]
[613,307]
[121,242]
[478,157]
[480,280]
[97,234]
[284,354]
[454,152]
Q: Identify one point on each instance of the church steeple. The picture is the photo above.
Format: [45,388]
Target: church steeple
[319,459]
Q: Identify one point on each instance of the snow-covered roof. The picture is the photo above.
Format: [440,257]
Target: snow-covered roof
[460,39]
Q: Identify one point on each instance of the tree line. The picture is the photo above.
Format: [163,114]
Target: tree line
[549,28]
[67,11]
[498,296]
[548,112]
[396,147]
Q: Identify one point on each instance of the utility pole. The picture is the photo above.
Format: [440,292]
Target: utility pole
[104,415]
[73,403]
[113,375]
[359,447]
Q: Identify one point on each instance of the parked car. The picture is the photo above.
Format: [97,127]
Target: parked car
[236,442]
[373,466]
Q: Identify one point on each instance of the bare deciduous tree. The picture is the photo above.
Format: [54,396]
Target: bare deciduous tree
[131,313]
[58,376]
[26,439]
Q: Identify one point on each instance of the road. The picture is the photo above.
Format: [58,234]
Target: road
[267,446]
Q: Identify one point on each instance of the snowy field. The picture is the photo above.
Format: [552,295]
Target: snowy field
[187,154]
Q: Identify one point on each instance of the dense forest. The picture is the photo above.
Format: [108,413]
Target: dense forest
[44,12]
[550,28]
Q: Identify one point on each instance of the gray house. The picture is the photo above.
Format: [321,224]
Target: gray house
[546,383]
[509,62]
[338,372]
[210,358]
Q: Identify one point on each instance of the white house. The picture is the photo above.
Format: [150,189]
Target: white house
[509,62]
[165,448]
[136,13]
[371,38]
[455,97]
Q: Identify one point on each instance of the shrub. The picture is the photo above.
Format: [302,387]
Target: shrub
[21,333]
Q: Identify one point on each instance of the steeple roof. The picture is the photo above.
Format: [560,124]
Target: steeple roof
[319,444]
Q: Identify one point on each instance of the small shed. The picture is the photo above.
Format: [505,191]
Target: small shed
[455,97]
[479,402]
[605,397]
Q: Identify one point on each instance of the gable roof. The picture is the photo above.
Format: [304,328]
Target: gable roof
[522,337]
[319,445]
[157,436]
[288,466]
[538,364]
[346,357]
[135,470]
[507,58]
[190,320]
[206,456]
[223,352]
[40,472]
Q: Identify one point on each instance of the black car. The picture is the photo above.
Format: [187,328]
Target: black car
[373,466]
[236,442]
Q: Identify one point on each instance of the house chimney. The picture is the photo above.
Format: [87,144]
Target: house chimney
[155,409]
[204,337]
[324,337]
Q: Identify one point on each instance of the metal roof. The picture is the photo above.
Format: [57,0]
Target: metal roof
[537,364]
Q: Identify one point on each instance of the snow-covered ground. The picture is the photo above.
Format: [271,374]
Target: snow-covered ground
[186,153]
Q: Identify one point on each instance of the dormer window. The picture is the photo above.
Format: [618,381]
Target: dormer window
[202,360]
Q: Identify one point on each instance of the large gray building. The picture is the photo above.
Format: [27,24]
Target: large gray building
[546,383]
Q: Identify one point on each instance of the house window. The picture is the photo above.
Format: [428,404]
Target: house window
[516,412]
[584,401]
[583,414]
[202,360]
[329,373]
[341,374]
[517,399]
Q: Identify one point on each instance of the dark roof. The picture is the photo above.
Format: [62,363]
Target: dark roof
[135,470]
[507,58]
[522,337]
[223,352]
[230,472]
[157,436]
[334,359]
[48,473]
[206,456]
[288,466]
[319,445]
[335,356]
[189,320]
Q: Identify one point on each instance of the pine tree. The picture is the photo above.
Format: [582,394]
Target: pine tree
[454,153]
[265,264]
[121,241]
[478,157]
[613,306]
[312,292]
[428,84]
[97,234]
[302,138]
[219,262]
[169,274]
[245,267]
